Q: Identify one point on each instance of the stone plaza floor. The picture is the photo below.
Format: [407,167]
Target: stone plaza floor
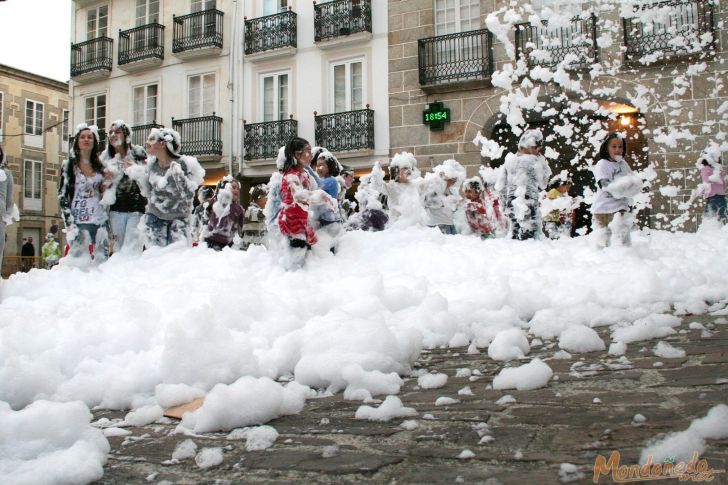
[587,409]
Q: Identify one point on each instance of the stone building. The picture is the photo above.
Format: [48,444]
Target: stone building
[33,134]
[236,79]
[658,75]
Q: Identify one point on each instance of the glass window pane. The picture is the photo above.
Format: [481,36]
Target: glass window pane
[141,12]
[138,107]
[37,180]
[38,119]
[153,13]
[208,95]
[340,88]
[356,86]
[193,107]
[90,110]
[283,97]
[151,103]
[268,100]
[29,117]
[28,179]
[91,24]
[100,120]
[103,20]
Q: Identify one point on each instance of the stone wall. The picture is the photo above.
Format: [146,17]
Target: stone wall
[473,107]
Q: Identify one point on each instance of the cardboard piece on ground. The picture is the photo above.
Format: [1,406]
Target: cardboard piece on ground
[178,411]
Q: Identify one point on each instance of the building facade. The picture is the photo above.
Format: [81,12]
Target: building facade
[236,79]
[316,69]
[158,63]
[655,72]
[33,126]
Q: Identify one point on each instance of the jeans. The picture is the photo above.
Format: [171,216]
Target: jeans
[715,206]
[162,232]
[447,229]
[90,236]
[125,231]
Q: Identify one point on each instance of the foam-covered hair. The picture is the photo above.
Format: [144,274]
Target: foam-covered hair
[171,139]
[531,139]
[400,161]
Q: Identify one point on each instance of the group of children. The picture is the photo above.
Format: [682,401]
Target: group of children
[145,197]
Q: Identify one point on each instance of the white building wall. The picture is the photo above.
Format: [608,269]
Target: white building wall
[171,76]
[311,86]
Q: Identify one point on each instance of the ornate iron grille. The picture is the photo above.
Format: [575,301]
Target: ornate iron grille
[341,17]
[139,43]
[140,133]
[668,29]
[262,140]
[197,30]
[270,32]
[92,55]
[548,47]
[350,130]
[200,136]
[456,57]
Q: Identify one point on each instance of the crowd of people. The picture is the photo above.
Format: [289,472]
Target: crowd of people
[129,197]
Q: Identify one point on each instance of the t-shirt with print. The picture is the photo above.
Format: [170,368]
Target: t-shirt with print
[86,207]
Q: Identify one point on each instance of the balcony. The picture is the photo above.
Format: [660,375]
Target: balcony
[464,58]
[271,36]
[141,47]
[573,47]
[347,131]
[198,34]
[139,133]
[662,31]
[201,136]
[262,140]
[91,60]
[342,22]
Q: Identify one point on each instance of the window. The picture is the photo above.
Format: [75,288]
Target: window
[452,16]
[96,111]
[271,7]
[32,184]
[275,96]
[33,118]
[145,104]
[147,12]
[64,126]
[201,95]
[347,82]
[97,22]
[200,5]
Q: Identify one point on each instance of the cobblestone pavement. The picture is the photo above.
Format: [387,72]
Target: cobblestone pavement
[587,409]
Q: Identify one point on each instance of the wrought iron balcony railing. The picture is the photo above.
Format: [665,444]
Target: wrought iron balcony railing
[350,130]
[200,136]
[262,140]
[575,46]
[197,30]
[270,32]
[92,55]
[666,29]
[141,43]
[341,17]
[139,133]
[450,58]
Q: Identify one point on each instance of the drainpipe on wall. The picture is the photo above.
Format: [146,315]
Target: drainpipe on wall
[241,49]
[231,88]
